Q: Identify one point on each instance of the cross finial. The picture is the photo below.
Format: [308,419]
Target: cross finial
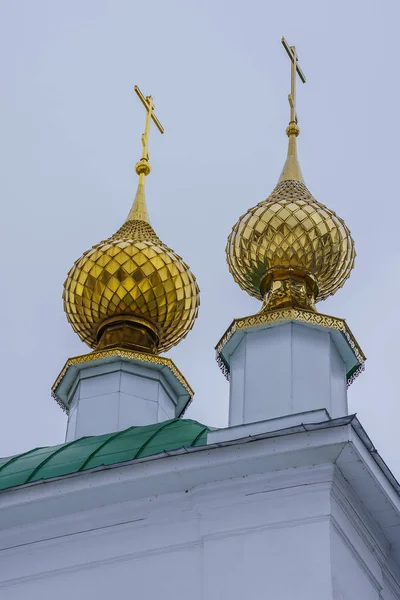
[295,67]
[138,211]
[143,166]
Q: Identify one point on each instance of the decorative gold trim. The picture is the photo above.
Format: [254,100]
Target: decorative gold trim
[281,316]
[121,353]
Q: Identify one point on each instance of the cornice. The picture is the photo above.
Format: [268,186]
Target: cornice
[122,353]
[277,317]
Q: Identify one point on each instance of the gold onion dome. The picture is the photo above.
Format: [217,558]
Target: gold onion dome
[290,250]
[132,290]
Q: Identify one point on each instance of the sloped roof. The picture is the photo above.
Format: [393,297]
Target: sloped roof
[90,452]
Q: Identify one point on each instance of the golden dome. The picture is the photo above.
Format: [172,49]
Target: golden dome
[131,290]
[290,250]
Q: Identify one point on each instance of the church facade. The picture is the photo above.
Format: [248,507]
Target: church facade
[290,501]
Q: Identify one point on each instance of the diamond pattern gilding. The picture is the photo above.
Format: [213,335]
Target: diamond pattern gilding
[290,230]
[132,273]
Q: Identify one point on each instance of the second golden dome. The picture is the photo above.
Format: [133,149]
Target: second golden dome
[290,250]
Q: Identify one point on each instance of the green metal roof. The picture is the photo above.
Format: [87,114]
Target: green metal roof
[90,452]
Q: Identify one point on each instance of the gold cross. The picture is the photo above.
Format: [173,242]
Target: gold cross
[291,50]
[147,102]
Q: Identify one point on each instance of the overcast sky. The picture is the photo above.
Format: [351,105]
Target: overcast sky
[70,136]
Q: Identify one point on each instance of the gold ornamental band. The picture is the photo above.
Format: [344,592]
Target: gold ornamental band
[121,353]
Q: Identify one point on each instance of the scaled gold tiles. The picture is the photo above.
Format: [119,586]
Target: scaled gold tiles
[132,274]
[290,250]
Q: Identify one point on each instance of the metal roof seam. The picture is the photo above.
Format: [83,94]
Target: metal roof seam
[110,439]
[43,462]
[338,422]
[199,436]
[17,456]
[147,442]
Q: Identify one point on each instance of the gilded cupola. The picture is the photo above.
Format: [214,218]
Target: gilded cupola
[290,250]
[131,290]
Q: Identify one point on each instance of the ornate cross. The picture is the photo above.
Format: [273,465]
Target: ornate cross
[147,102]
[291,50]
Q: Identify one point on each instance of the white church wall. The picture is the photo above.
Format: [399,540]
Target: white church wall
[362,565]
[274,562]
[293,534]
[256,536]
[350,580]
[391,588]
[173,574]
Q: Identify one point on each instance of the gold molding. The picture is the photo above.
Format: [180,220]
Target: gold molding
[291,314]
[121,353]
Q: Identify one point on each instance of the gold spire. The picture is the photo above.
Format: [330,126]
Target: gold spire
[138,211]
[290,250]
[131,290]
[291,170]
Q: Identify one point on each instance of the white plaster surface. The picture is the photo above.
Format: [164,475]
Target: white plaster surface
[97,414]
[112,397]
[287,535]
[284,370]
[137,411]
[143,386]
[92,386]
[71,427]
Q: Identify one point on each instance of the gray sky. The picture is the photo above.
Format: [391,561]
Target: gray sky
[70,136]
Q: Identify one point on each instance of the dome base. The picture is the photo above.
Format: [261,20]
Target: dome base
[128,332]
[289,288]
[290,231]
